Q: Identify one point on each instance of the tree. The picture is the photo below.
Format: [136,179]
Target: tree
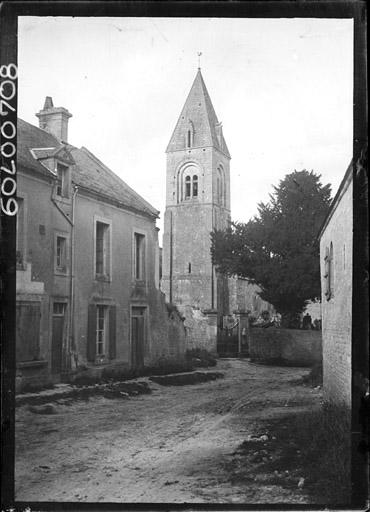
[278,249]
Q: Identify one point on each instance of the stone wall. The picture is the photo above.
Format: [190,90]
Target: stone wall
[337,309]
[244,296]
[285,346]
[201,329]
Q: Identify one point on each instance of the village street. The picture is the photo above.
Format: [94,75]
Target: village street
[177,444]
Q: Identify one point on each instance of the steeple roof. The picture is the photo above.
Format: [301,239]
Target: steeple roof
[199,116]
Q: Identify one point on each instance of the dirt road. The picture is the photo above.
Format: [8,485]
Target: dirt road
[178,444]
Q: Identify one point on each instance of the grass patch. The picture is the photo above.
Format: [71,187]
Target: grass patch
[312,445]
[314,378]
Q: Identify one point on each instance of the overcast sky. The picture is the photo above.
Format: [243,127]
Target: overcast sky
[281,87]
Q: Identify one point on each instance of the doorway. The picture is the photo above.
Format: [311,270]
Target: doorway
[58,327]
[137,336]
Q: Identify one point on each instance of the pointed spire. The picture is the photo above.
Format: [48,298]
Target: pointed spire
[199,112]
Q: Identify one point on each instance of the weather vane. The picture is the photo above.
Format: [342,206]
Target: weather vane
[199,54]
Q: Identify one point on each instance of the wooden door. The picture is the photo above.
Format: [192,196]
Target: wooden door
[138,336]
[58,327]
[27,331]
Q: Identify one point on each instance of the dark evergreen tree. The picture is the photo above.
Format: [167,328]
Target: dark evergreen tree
[278,249]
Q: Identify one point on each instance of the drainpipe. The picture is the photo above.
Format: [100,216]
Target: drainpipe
[71,284]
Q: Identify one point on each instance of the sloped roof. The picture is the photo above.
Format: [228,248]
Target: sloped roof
[88,172]
[198,110]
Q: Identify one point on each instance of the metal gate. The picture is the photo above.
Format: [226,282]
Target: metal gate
[228,339]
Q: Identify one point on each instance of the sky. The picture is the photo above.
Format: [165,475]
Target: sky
[283,89]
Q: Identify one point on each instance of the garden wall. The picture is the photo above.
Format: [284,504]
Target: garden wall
[285,346]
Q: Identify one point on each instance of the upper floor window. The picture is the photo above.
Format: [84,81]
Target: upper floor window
[139,256]
[329,272]
[102,249]
[62,185]
[61,253]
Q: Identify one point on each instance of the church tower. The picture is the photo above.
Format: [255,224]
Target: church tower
[197,201]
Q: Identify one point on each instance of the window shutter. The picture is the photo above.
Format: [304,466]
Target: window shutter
[91,333]
[112,332]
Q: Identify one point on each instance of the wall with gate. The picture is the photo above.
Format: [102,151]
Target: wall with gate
[286,346]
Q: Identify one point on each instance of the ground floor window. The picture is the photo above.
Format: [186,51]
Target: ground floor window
[101,329]
[101,335]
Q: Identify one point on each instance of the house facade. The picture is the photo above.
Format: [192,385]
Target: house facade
[336,241]
[87,262]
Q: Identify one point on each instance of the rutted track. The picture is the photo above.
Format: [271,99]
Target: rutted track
[173,445]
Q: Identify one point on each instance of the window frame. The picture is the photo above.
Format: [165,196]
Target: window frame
[105,330]
[139,266]
[106,274]
[62,183]
[60,270]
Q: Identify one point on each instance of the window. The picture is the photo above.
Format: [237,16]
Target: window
[139,256]
[59,308]
[20,256]
[195,186]
[187,187]
[102,249]
[329,272]
[220,198]
[101,329]
[61,253]
[62,181]
[101,333]
[189,139]
[191,186]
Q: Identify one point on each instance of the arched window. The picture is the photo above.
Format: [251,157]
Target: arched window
[195,185]
[188,182]
[220,190]
[187,187]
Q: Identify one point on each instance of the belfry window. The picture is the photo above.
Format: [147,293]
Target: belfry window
[191,186]
[195,186]
[187,187]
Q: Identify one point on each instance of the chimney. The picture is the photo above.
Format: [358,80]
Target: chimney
[54,119]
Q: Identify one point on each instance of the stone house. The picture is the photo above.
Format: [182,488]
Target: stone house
[87,263]
[336,241]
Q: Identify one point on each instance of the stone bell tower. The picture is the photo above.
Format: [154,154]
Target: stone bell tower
[197,201]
